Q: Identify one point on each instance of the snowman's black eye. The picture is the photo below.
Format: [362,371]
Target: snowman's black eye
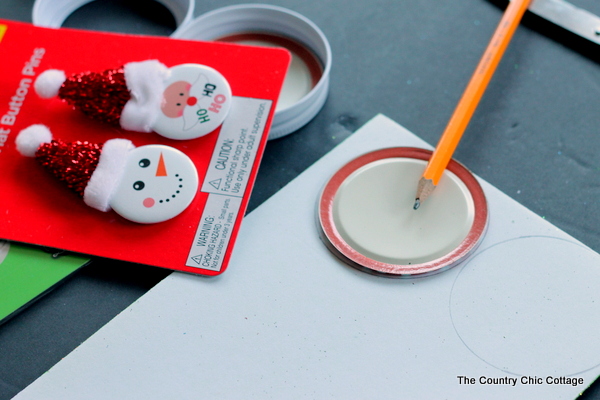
[144,163]
[139,185]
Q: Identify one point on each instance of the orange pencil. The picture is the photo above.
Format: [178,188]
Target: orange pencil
[470,98]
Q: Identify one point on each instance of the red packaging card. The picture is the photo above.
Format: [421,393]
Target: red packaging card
[37,208]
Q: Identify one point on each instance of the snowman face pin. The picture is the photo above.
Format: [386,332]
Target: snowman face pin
[157,184]
[146,184]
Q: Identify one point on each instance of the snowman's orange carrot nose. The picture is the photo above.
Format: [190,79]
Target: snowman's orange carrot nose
[161,170]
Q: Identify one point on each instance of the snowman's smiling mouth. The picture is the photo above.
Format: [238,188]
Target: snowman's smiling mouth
[177,191]
[150,202]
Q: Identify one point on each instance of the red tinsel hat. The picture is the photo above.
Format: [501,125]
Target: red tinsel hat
[91,170]
[128,96]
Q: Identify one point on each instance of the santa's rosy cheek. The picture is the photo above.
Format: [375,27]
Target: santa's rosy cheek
[149,202]
[180,112]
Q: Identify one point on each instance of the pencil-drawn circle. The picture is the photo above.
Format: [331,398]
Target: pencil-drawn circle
[530,306]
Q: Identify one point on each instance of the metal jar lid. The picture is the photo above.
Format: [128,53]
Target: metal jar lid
[255,23]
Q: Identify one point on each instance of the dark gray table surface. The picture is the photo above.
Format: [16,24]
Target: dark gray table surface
[535,135]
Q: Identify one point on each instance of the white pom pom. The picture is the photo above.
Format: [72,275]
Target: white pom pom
[30,139]
[49,82]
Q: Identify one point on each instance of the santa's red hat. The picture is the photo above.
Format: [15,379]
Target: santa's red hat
[129,96]
[92,170]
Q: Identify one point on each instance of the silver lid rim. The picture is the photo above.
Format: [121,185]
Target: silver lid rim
[53,13]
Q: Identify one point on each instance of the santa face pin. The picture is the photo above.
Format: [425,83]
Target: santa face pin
[183,102]
[195,100]
[147,184]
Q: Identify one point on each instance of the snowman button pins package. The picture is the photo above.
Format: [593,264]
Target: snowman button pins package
[156,148]
[147,184]
[186,101]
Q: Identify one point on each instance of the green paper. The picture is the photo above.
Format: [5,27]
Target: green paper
[28,272]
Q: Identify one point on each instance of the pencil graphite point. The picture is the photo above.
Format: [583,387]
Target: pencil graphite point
[424,189]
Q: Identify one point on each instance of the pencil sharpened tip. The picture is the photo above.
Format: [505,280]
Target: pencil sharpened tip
[417,204]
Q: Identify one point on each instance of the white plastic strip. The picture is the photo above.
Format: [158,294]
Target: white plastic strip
[570,17]
[53,13]
[258,18]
